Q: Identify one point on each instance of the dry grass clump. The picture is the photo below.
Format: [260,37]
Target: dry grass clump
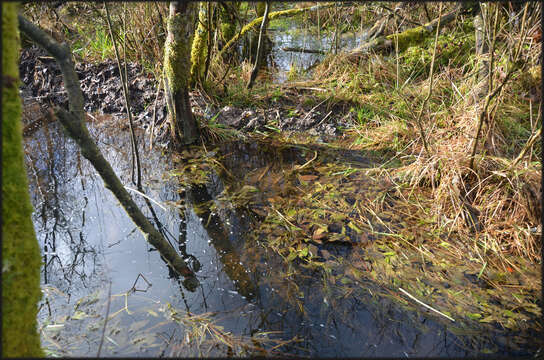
[499,200]
[496,200]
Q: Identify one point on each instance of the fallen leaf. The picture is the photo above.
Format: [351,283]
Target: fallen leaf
[308,177]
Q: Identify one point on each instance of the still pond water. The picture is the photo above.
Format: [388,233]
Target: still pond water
[248,301]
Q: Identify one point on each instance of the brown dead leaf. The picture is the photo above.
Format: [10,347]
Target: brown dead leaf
[308,177]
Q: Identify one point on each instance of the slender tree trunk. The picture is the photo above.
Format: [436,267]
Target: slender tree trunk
[273,15]
[20,251]
[260,45]
[482,51]
[181,20]
[209,49]
[260,7]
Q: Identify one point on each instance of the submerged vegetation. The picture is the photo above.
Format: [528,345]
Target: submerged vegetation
[385,151]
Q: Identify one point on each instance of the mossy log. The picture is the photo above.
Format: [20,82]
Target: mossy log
[406,38]
[74,124]
[177,63]
[21,259]
[271,16]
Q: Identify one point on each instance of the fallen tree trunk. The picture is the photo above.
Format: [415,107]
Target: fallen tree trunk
[74,124]
[406,38]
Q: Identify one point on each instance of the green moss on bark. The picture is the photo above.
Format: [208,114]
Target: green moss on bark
[20,251]
[410,37]
[178,48]
[177,63]
[198,51]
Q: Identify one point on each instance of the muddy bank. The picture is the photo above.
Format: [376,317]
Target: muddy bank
[100,83]
[42,87]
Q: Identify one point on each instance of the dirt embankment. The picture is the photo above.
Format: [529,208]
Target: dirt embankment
[100,83]
[102,90]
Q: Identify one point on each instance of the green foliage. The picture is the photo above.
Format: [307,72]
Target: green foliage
[93,45]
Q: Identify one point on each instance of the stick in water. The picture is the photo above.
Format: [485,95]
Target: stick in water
[427,306]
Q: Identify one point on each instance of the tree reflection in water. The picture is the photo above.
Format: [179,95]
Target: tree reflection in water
[54,167]
[250,288]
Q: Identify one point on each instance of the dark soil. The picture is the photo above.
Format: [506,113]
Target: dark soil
[100,83]
[102,90]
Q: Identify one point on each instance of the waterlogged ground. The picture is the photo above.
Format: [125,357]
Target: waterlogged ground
[300,245]
[281,235]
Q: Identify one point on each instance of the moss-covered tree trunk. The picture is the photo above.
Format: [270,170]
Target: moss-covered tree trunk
[20,251]
[198,51]
[181,21]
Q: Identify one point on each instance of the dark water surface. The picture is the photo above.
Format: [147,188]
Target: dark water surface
[246,290]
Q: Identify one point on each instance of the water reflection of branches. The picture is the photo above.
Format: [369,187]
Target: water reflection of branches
[187,283]
[65,256]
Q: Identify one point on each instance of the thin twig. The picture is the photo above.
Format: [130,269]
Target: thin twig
[127,101]
[527,146]
[427,306]
[297,167]
[147,197]
[497,90]
[154,119]
[418,120]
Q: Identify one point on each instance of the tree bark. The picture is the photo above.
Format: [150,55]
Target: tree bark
[482,52]
[228,12]
[74,124]
[183,126]
[20,250]
[258,57]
